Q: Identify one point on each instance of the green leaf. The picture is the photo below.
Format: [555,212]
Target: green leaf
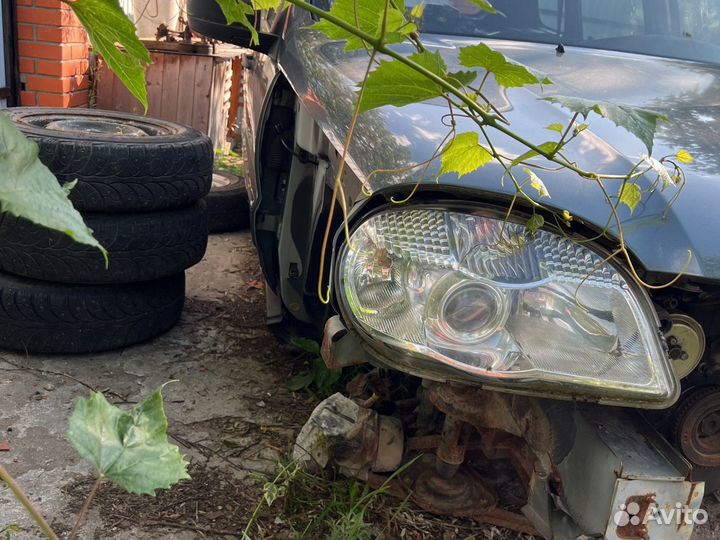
[129,448]
[259,5]
[464,154]
[366,15]
[238,12]
[683,156]
[394,83]
[567,217]
[640,122]
[300,382]
[30,191]
[485,6]
[556,127]
[307,345]
[537,184]
[535,223]
[418,11]
[507,73]
[114,36]
[630,196]
[549,146]
[579,129]
[461,78]
[271,492]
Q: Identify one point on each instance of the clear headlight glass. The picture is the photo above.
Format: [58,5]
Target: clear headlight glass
[473,296]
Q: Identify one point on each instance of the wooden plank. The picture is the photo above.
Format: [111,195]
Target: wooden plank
[186,89]
[169,87]
[154,84]
[201,97]
[105,88]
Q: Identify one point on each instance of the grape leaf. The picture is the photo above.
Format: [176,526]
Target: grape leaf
[394,83]
[556,127]
[507,73]
[630,196]
[548,146]
[537,184]
[461,78]
[683,156]
[238,12]
[640,122]
[266,4]
[29,190]
[535,223]
[418,11]
[485,6]
[367,15]
[464,154]
[128,447]
[114,36]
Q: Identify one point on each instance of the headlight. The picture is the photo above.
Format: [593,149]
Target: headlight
[469,297]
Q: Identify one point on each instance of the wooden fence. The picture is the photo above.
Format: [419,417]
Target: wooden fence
[195,89]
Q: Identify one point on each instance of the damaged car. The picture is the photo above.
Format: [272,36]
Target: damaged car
[548,366]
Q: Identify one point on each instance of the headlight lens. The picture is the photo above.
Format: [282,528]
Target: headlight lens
[531,313]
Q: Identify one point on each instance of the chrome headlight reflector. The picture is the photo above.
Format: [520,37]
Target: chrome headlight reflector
[484,301]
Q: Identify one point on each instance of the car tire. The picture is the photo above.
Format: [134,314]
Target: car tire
[228,206]
[49,318]
[123,162]
[141,247]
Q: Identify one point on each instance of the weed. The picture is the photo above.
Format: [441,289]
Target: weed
[229,161]
[326,506]
[318,378]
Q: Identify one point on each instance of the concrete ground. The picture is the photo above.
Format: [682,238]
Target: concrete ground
[229,412]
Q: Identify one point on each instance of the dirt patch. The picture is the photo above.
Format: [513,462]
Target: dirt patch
[213,503]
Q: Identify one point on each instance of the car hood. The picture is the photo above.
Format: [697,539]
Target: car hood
[660,233]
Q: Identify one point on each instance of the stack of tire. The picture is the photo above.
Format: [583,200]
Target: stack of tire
[140,185]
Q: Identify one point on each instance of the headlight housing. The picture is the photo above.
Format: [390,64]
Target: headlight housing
[539,314]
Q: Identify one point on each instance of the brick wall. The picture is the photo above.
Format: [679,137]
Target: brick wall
[54,52]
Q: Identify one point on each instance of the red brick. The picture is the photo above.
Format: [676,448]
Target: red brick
[80,52]
[44,51]
[53,100]
[48,17]
[51,4]
[65,68]
[24,2]
[60,34]
[28,99]
[79,99]
[26,31]
[32,15]
[57,85]
[27,65]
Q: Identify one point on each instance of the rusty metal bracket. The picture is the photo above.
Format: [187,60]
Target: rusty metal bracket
[341,347]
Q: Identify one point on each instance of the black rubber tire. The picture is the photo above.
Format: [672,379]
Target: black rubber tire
[228,205]
[39,317]
[169,168]
[140,247]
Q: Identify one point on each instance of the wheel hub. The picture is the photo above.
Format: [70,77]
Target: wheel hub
[104,126]
[699,427]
